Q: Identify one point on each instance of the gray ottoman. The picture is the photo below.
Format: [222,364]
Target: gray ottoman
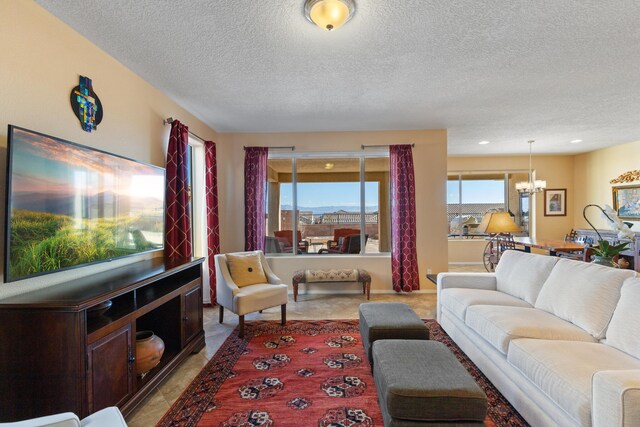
[389,320]
[422,383]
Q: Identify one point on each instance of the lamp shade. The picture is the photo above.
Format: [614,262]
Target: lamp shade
[497,222]
[329,14]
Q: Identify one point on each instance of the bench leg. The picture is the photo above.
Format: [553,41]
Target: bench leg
[368,285]
[295,292]
[241,322]
[221,313]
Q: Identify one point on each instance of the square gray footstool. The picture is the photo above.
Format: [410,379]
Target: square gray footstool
[422,383]
[387,321]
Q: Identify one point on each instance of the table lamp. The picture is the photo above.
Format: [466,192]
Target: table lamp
[496,225]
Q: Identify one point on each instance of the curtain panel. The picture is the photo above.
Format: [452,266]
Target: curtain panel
[255,187]
[177,217]
[213,224]
[404,259]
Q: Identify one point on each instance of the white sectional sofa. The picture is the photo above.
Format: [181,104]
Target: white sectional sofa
[559,338]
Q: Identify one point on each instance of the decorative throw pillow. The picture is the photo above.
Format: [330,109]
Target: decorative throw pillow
[246,269]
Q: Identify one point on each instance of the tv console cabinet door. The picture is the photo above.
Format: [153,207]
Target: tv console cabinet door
[110,369]
[191,314]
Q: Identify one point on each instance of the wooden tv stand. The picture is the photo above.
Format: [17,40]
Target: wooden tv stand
[57,358]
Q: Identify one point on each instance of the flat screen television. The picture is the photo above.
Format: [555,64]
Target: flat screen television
[69,205]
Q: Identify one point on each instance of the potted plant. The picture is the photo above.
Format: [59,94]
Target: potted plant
[605,250]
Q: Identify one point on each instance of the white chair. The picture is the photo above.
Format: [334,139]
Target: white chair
[247,299]
[107,417]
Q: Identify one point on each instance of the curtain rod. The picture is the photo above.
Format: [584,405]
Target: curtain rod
[285,147]
[380,146]
[170,120]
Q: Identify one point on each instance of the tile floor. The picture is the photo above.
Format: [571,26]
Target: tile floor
[308,307]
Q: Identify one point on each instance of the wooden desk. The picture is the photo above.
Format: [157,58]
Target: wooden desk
[551,245]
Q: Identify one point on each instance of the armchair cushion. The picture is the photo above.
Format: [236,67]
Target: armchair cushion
[258,297]
[246,269]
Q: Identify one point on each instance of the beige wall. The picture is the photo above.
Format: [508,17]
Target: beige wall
[42,59]
[429,156]
[558,171]
[592,173]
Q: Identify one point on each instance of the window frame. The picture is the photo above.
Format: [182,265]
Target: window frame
[505,172]
[361,155]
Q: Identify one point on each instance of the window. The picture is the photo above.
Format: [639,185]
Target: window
[326,200]
[471,195]
[195,158]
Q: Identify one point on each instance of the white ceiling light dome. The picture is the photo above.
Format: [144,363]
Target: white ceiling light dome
[329,14]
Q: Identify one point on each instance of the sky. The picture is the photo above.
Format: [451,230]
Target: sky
[312,195]
[477,191]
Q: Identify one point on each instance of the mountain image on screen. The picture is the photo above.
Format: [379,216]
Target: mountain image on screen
[71,205]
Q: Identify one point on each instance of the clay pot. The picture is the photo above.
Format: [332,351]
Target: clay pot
[149,350]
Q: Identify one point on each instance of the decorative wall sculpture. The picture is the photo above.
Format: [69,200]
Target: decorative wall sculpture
[86,105]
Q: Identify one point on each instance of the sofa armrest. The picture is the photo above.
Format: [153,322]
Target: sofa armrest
[616,398]
[467,280]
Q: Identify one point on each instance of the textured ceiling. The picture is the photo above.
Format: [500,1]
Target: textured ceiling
[504,71]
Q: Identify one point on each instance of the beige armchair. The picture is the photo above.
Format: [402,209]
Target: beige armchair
[247,299]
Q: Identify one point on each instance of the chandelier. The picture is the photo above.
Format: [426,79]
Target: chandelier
[531,186]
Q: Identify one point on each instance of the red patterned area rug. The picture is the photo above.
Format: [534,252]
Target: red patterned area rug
[307,373]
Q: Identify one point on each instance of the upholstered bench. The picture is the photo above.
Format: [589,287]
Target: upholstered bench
[389,320]
[332,275]
[421,382]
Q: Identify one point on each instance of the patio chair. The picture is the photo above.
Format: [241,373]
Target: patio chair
[338,236]
[350,245]
[286,238]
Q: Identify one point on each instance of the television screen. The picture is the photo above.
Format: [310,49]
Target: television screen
[69,205]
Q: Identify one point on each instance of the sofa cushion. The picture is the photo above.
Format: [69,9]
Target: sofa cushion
[625,323]
[583,294]
[456,300]
[522,274]
[499,325]
[563,370]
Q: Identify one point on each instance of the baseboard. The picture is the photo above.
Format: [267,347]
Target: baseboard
[466,263]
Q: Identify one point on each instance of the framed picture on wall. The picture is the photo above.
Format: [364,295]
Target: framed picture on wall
[555,202]
[626,202]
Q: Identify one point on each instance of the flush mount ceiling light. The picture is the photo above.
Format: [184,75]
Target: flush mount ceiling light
[576,141]
[329,14]
[483,142]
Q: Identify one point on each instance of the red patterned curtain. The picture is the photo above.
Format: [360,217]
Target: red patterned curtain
[177,219]
[255,186]
[213,228]
[404,260]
